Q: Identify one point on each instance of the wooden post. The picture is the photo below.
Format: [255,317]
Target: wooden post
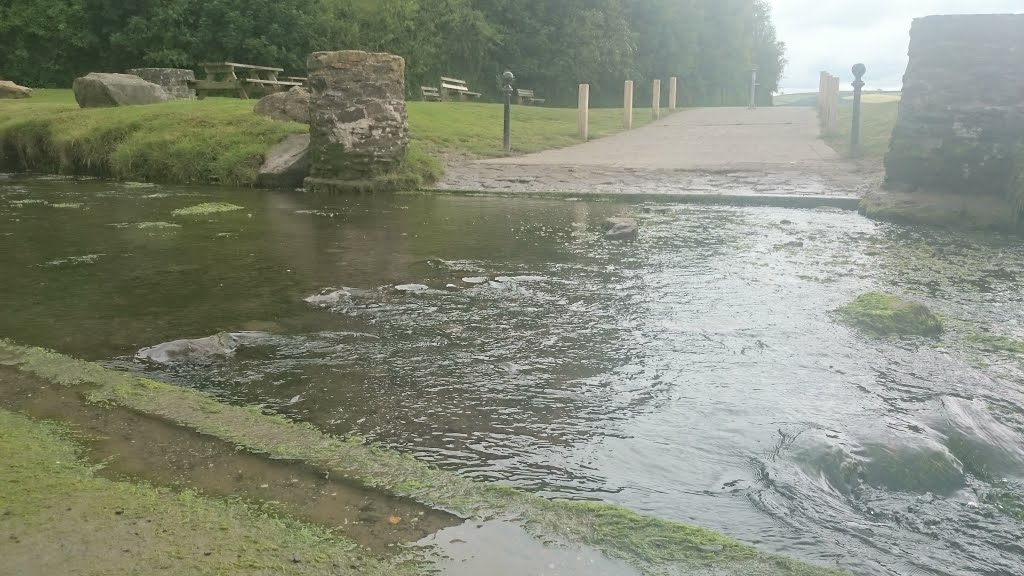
[822,91]
[627,106]
[584,112]
[673,93]
[656,100]
[834,119]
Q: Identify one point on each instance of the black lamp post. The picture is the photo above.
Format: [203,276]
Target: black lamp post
[858,87]
[506,87]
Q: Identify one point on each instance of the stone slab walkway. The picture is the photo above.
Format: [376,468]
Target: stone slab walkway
[702,151]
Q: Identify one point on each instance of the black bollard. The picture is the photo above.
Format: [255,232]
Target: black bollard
[506,86]
[858,86]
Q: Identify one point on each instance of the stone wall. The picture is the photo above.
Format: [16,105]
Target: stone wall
[359,128]
[961,119]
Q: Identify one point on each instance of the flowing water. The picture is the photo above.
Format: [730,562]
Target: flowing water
[697,374]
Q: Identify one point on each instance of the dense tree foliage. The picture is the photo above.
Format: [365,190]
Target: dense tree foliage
[551,45]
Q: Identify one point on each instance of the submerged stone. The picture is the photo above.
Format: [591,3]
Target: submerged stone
[620,229]
[887,315]
[206,349]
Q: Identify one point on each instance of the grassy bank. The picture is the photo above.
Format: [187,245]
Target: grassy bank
[220,140]
[877,122]
[652,544]
[59,517]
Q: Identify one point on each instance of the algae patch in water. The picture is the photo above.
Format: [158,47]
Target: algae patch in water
[888,315]
[53,500]
[997,343]
[653,544]
[207,208]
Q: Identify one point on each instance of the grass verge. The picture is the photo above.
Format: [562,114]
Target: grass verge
[52,500]
[221,141]
[651,544]
[877,122]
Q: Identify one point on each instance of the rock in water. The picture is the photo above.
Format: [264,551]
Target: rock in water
[174,81]
[98,90]
[11,90]
[887,315]
[358,123]
[290,106]
[286,164]
[206,349]
[620,229]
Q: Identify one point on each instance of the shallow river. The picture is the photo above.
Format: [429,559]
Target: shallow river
[697,374]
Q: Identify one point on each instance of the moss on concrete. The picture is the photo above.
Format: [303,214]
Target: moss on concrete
[931,208]
[649,543]
[60,517]
[887,315]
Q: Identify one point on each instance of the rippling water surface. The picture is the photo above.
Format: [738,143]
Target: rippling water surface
[696,375]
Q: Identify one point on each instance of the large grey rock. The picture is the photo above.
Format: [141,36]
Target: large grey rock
[286,164]
[174,81]
[200,350]
[961,116]
[9,89]
[620,229]
[290,106]
[98,90]
[358,122]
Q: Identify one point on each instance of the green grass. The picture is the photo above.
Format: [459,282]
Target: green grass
[53,501]
[877,122]
[220,140]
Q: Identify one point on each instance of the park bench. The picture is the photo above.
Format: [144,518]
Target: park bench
[527,97]
[449,85]
[430,93]
[245,79]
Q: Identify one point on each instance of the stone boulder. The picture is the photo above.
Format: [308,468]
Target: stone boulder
[200,350]
[286,164]
[174,81]
[620,229]
[9,89]
[97,90]
[290,106]
[359,128]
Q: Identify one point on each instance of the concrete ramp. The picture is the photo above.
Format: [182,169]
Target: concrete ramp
[703,139]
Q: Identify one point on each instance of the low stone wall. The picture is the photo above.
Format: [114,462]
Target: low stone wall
[174,81]
[961,119]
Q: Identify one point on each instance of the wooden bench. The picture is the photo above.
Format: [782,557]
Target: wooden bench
[430,93]
[244,79]
[527,97]
[449,85]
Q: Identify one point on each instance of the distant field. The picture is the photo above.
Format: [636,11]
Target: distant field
[811,98]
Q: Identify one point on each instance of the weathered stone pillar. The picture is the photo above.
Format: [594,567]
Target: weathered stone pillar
[359,128]
[961,118]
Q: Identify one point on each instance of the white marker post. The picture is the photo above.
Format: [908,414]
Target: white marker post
[627,106]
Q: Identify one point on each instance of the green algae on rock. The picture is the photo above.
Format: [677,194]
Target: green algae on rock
[997,343]
[207,208]
[652,544]
[130,527]
[888,315]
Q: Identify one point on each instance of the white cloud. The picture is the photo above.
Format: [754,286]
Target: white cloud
[833,35]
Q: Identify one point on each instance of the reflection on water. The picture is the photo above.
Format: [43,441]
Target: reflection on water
[696,375]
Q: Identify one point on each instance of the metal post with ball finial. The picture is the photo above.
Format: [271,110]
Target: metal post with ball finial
[506,87]
[858,87]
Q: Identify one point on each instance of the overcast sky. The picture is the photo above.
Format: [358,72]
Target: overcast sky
[835,34]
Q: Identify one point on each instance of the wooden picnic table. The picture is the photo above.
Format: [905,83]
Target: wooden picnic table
[245,79]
